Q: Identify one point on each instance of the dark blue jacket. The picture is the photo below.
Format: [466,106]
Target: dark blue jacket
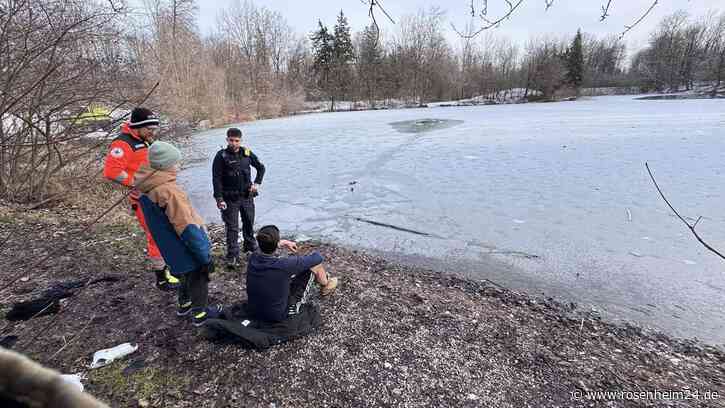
[174,225]
[268,283]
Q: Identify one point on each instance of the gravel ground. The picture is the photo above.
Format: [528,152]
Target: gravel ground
[392,335]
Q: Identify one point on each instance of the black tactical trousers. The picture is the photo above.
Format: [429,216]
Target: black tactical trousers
[243,207]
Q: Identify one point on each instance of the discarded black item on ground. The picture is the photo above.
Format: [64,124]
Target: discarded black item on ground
[49,301]
[8,342]
[63,290]
[238,329]
[33,308]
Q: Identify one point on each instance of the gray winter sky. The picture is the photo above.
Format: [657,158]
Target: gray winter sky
[563,18]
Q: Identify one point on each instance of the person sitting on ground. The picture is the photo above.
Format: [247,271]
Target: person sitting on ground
[179,232]
[277,287]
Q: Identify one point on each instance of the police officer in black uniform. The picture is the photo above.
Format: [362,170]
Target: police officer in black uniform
[234,192]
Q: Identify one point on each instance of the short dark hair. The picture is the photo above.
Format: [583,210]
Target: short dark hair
[268,238]
[234,132]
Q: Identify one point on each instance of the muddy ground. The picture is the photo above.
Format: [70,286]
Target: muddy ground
[392,335]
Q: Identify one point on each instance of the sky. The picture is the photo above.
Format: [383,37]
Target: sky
[530,19]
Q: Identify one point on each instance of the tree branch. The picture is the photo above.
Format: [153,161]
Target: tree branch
[74,338]
[491,24]
[380,6]
[371,13]
[646,13]
[605,11]
[691,227]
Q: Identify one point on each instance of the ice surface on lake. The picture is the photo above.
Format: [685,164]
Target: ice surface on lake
[572,171]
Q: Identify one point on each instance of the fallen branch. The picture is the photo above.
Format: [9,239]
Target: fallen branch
[47,200]
[6,239]
[494,283]
[395,227]
[74,337]
[690,226]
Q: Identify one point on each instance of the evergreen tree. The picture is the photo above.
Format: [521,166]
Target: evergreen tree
[322,48]
[370,49]
[369,61]
[343,48]
[574,62]
[323,57]
[343,55]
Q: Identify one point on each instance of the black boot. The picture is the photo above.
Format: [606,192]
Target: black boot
[164,280]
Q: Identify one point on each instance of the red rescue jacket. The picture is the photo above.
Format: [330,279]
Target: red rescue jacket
[126,154]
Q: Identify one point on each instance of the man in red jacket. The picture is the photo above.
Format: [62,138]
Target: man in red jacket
[127,153]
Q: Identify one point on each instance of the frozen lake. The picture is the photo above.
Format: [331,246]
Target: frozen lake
[546,198]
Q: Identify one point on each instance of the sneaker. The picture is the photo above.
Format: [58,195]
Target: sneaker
[183,310]
[211,312]
[329,288]
[171,278]
[165,284]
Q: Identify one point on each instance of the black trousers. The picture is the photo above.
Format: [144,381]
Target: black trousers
[194,288]
[299,291]
[243,207]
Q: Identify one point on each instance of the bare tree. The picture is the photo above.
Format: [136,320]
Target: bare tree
[423,56]
[166,47]
[545,68]
[255,45]
[680,53]
[603,62]
[506,60]
[58,58]
[715,53]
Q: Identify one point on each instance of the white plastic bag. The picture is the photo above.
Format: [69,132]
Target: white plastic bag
[107,356]
[73,379]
